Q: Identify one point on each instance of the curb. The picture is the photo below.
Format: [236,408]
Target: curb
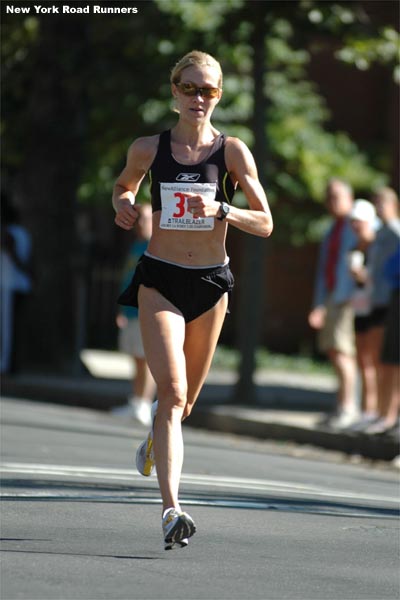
[372,447]
[282,419]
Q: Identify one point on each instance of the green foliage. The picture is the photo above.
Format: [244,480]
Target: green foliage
[203,16]
[331,16]
[365,51]
[228,359]
[297,126]
[305,154]
[363,45]
[18,43]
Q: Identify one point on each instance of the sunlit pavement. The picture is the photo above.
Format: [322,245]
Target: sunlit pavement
[289,406]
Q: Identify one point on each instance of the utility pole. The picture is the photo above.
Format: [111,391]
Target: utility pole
[251,294]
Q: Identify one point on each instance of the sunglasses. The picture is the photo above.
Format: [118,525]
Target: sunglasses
[190,89]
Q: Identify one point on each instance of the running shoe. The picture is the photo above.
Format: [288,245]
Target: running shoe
[138,410]
[177,528]
[145,461]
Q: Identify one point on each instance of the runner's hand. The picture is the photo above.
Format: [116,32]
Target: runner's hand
[127,215]
[202,207]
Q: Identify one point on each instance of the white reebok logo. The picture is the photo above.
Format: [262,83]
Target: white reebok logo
[190,177]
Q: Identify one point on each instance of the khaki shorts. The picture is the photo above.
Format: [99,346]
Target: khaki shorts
[338,331]
[130,339]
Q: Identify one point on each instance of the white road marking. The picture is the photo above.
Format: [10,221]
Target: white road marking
[217,503]
[245,485]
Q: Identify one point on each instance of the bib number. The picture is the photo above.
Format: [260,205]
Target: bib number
[174,206]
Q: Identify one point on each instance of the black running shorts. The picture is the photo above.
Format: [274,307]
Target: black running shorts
[390,354]
[192,291]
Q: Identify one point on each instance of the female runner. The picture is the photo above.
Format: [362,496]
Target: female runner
[182,283]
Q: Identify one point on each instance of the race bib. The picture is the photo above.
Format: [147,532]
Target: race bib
[174,205]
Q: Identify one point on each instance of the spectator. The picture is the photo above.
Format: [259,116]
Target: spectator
[129,337]
[386,242]
[332,314]
[16,280]
[364,222]
[389,383]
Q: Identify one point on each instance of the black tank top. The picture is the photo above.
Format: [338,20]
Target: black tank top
[212,170]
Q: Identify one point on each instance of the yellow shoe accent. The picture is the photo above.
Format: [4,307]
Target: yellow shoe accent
[149,463]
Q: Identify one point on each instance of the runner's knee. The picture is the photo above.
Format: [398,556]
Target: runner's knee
[172,395]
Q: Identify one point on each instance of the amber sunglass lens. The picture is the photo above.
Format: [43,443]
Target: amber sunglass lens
[188,89]
[210,92]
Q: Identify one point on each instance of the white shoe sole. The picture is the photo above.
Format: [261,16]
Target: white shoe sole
[179,533]
[176,545]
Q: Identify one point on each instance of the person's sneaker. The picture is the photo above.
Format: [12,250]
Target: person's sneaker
[123,411]
[326,419]
[177,528]
[141,411]
[379,427]
[343,420]
[363,423]
[145,462]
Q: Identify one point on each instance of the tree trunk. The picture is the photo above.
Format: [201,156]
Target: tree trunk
[46,189]
[251,291]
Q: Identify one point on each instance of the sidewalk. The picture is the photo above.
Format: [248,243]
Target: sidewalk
[289,406]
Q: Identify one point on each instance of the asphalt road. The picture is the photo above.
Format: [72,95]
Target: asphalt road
[78,522]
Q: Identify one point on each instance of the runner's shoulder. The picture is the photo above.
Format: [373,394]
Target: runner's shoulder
[236,152]
[235,144]
[143,150]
